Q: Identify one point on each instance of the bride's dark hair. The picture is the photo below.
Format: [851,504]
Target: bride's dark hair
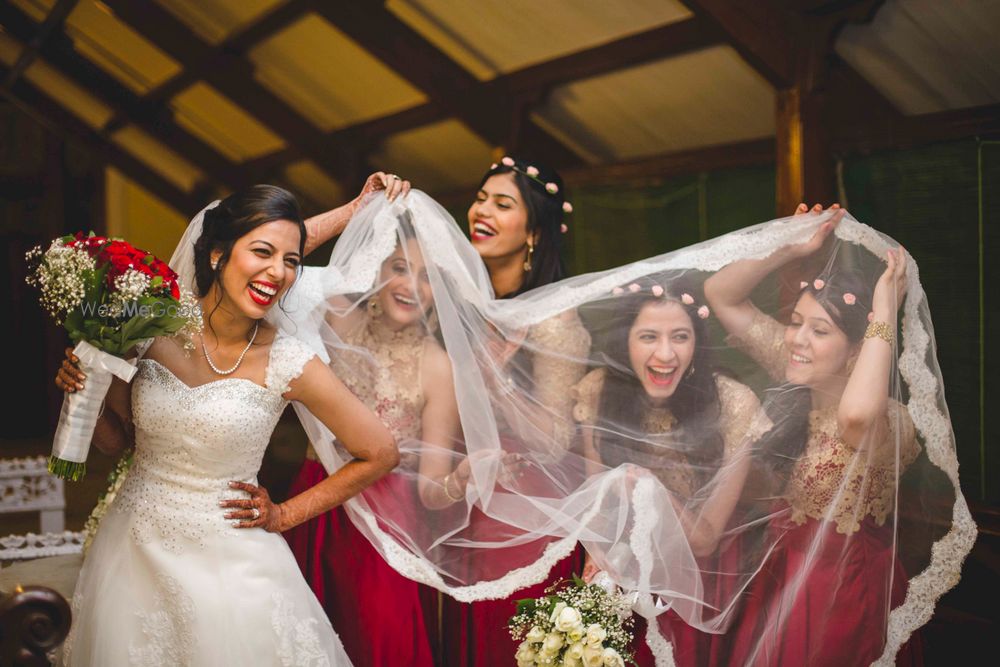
[694,404]
[236,216]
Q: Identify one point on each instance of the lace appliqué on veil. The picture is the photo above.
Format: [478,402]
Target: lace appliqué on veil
[167,627]
[298,642]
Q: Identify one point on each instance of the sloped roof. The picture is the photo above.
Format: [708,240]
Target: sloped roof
[202,96]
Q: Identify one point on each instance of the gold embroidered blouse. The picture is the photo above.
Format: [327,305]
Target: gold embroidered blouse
[742,422]
[832,480]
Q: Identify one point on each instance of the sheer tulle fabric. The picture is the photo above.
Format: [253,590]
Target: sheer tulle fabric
[732,504]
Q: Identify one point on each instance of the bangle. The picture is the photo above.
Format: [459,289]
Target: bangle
[444,483]
[879,330]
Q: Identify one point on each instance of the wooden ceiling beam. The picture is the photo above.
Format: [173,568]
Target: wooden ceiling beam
[445,82]
[50,113]
[536,80]
[58,52]
[52,24]
[232,75]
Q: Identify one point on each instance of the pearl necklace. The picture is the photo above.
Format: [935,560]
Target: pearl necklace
[238,361]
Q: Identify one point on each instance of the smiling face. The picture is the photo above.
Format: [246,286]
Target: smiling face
[661,345]
[405,295]
[498,218]
[818,350]
[262,265]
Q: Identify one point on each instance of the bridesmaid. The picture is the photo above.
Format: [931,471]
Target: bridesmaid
[824,595]
[695,428]
[516,226]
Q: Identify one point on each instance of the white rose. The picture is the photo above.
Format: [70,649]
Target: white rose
[535,635]
[577,632]
[525,655]
[568,619]
[553,642]
[571,662]
[575,651]
[596,635]
[557,610]
[592,656]
[612,658]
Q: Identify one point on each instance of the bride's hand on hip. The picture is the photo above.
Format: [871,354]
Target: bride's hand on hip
[257,511]
[69,377]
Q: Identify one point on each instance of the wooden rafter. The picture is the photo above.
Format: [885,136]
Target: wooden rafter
[50,113]
[445,82]
[156,121]
[232,75]
[53,23]
[533,82]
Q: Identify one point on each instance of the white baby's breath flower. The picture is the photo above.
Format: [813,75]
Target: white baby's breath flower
[60,277]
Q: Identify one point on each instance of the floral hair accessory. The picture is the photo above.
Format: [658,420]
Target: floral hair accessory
[634,287]
[532,172]
[871,316]
[850,299]
[687,299]
[656,290]
[703,312]
[819,283]
[803,285]
[618,291]
[563,228]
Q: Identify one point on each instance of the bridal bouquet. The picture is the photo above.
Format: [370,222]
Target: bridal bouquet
[109,296]
[579,624]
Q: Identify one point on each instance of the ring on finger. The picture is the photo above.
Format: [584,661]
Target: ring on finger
[256,513]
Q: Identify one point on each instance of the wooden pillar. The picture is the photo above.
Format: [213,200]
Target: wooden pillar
[805,168]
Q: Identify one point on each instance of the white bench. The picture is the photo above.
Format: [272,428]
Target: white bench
[27,486]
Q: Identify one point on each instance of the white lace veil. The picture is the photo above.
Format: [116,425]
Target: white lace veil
[562,447]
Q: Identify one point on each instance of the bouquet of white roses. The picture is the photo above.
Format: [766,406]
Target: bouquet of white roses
[580,624]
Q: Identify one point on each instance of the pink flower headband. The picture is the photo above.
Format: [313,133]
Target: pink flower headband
[849,298]
[658,291]
[532,173]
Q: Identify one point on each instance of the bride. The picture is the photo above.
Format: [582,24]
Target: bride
[187,566]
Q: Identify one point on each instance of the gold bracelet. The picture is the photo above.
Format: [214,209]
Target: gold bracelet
[880,330]
[444,483]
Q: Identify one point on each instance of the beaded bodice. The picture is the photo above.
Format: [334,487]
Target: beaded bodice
[190,442]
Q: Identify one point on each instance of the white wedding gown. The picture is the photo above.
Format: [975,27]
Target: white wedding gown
[168,580]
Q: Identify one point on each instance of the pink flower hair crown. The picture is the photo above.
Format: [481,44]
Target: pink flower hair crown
[849,298]
[658,291]
[532,173]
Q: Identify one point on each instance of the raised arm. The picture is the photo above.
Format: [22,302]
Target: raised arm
[866,397]
[325,226]
[728,291]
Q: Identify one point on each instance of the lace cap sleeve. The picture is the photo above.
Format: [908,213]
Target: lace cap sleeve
[586,395]
[288,357]
[764,342]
